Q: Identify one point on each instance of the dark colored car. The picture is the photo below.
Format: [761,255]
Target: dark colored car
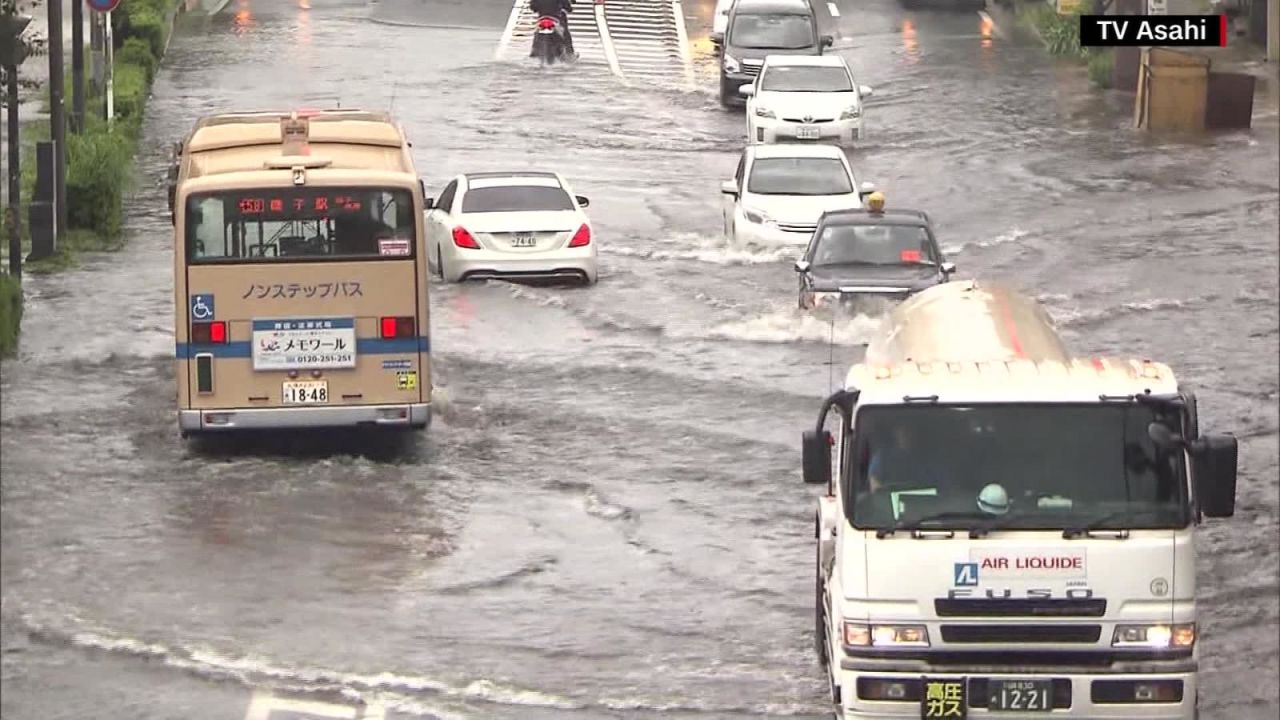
[890,254]
[757,29]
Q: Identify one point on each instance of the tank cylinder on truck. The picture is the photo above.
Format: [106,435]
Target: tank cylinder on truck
[967,321]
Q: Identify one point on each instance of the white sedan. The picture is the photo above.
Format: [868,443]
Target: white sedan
[516,225]
[801,97]
[781,190]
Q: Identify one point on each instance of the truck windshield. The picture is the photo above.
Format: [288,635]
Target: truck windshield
[1016,466]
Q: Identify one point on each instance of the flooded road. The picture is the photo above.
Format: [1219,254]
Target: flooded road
[607,518]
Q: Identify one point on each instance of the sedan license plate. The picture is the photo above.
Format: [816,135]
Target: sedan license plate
[523,240]
[310,392]
[808,132]
[1020,695]
[947,698]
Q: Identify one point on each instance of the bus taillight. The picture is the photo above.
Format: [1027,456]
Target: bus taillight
[396,327]
[209,333]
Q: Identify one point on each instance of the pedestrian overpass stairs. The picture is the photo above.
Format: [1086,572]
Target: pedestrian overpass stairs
[640,40]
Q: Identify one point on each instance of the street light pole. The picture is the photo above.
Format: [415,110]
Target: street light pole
[57,120]
[14,52]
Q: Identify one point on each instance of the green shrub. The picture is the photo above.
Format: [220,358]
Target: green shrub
[131,89]
[10,313]
[97,162]
[1101,63]
[1060,33]
[137,51]
[149,27]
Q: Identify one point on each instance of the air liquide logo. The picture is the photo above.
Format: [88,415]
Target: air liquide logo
[1048,564]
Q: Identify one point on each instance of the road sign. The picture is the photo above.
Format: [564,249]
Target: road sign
[102,5]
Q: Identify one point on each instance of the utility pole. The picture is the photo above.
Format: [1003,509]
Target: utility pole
[1273,30]
[57,122]
[96,74]
[77,65]
[12,52]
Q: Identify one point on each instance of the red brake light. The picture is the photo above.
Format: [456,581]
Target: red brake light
[463,239]
[546,23]
[209,333]
[396,327]
[581,238]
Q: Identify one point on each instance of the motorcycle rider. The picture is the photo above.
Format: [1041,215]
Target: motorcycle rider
[558,9]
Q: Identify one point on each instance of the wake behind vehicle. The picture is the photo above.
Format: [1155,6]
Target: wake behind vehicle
[804,97]
[1009,530]
[857,254]
[510,225]
[301,298]
[759,28]
[549,44]
[779,192]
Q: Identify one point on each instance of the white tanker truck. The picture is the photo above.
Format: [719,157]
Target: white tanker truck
[1006,530]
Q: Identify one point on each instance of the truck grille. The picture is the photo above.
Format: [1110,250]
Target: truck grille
[1039,607]
[1014,634]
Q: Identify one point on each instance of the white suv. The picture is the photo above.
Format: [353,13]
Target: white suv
[779,191]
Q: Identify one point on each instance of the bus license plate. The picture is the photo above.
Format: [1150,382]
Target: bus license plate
[806,132]
[310,392]
[1020,695]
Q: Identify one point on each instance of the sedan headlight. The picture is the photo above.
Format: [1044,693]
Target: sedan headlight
[1158,637]
[756,216]
[731,64]
[852,113]
[864,635]
[764,113]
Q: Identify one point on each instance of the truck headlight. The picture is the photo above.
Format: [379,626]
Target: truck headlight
[1160,637]
[863,635]
[731,64]
[852,113]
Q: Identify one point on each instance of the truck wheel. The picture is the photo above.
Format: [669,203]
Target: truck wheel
[726,98]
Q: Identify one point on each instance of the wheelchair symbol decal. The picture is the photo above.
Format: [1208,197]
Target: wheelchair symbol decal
[201,307]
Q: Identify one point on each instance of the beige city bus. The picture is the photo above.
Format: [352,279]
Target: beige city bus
[299,274]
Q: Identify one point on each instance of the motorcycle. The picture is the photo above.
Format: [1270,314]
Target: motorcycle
[548,41]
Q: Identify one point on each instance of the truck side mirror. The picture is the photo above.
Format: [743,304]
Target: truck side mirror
[1214,458]
[816,457]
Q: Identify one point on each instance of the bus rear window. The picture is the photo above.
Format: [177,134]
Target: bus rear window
[292,224]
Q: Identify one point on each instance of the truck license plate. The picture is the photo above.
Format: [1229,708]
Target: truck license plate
[807,132]
[310,392]
[947,698]
[1020,695]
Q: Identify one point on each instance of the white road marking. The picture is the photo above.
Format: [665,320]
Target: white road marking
[835,11]
[264,702]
